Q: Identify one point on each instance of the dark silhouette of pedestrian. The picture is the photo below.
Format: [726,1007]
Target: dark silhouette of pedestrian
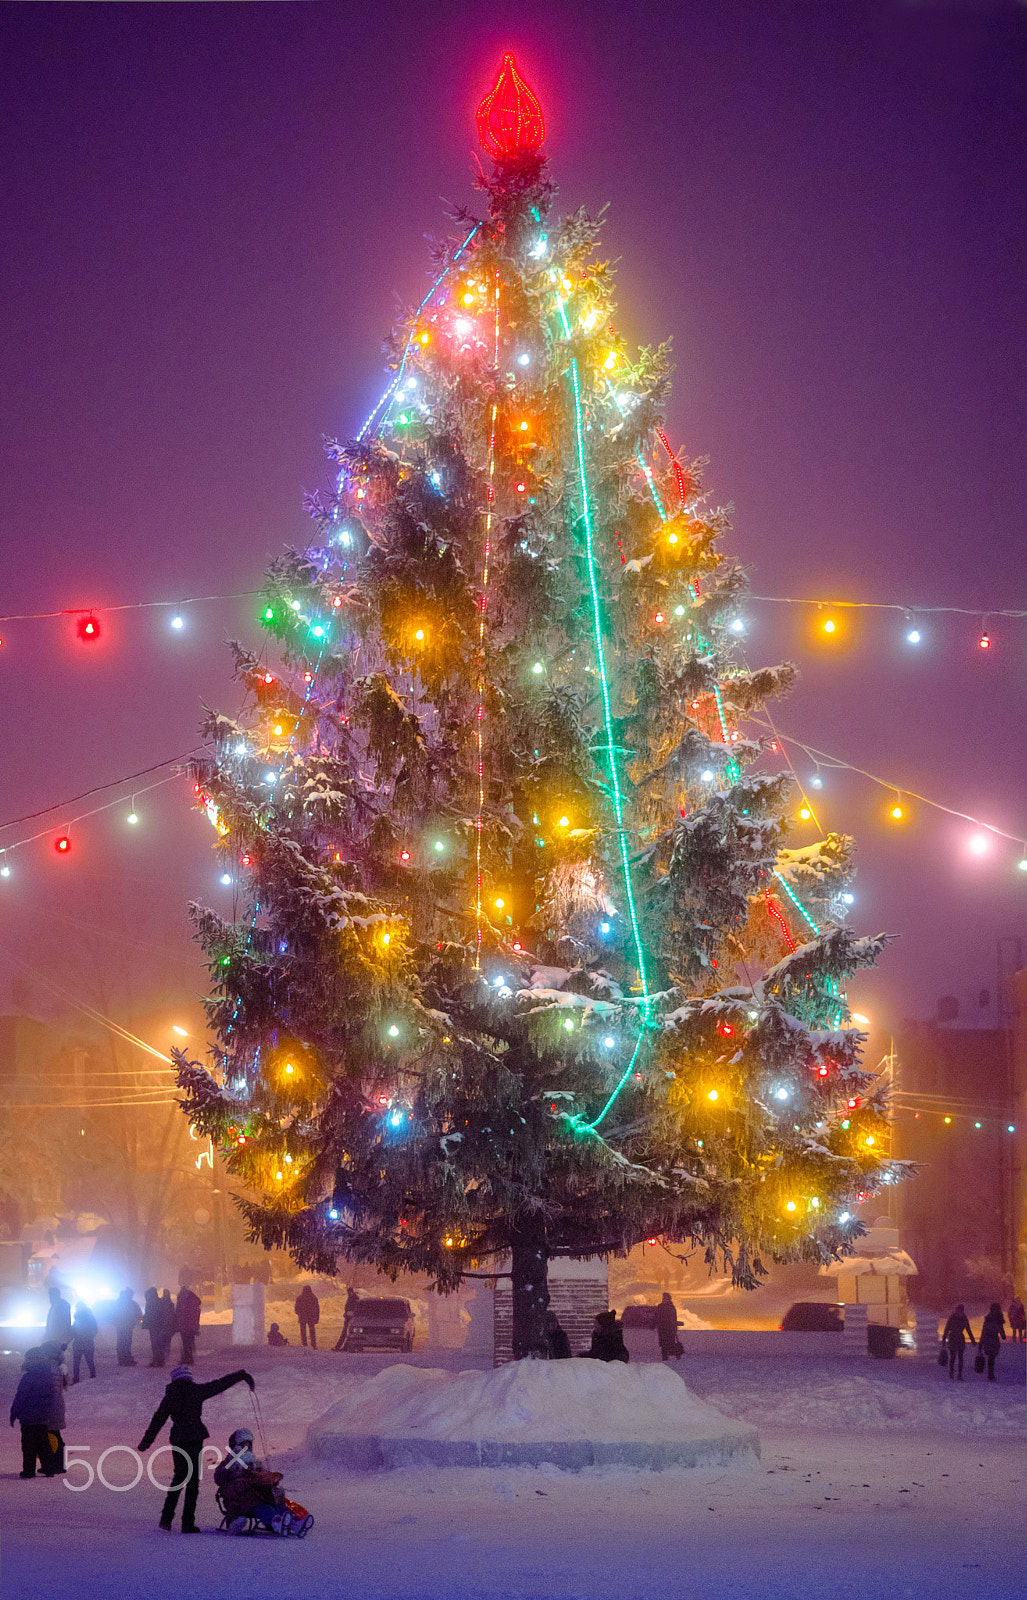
[666,1322]
[1018,1320]
[187,1318]
[556,1338]
[153,1322]
[127,1317]
[352,1301]
[168,1319]
[183,1405]
[608,1339]
[83,1340]
[38,1405]
[308,1311]
[992,1330]
[957,1331]
[276,1338]
[58,1319]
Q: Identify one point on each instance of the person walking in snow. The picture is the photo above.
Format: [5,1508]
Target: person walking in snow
[666,1323]
[1018,1320]
[993,1328]
[957,1331]
[83,1337]
[127,1317]
[58,1319]
[38,1405]
[352,1301]
[308,1312]
[187,1320]
[558,1344]
[183,1406]
[607,1339]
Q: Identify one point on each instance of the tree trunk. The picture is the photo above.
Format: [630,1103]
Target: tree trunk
[530,1285]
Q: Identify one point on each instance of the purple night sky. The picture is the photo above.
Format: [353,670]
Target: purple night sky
[209,212]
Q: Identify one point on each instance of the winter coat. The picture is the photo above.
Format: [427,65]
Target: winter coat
[168,1315]
[39,1398]
[127,1314]
[307,1306]
[151,1312]
[183,1404]
[665,1321]
[83,1328]
[559,1344]
[188,1314]
[58,1322]
[992,1330]
[957,1330]
[608,1345]
[1017,1315]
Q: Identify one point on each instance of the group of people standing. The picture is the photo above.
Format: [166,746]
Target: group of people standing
[162,1318]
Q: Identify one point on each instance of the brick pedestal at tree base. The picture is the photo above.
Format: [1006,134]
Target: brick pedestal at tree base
[578,1291]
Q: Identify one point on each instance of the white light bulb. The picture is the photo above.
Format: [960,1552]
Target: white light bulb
[857,1016]
[604,927]
[226,878]
[393,1032]
[5,871]
[609,1041]
[848,899]
[178,622]
[913,636]
[270,777]
[782,1094]
[844,1217]
[523,359]
[816,782]
[132,818]
[738,625]
[979,844]
[240,749]
[538,668]
[707,776]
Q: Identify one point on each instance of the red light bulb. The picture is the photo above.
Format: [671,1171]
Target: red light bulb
[510,122]
[62,844]
[88,628]
[658,617]
[984,643]
[726,1029]
[404,855]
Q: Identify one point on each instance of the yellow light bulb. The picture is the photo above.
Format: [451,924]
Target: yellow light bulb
[896,812]
[790,1206]
[611,361]
[386,938]
[419,635]
[500,904]
[424,338]
[672,538]
[278,1177]
[870,1138]
[713,1095]
[805,813]
[290,1069]
[278,729]
[468,299]
[524,427]
[830,625]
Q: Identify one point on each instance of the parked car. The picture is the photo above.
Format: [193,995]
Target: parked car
[813,1316]
[380,1323]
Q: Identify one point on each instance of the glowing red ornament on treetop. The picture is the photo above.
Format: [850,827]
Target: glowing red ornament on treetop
[510,120]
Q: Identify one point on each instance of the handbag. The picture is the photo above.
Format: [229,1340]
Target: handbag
[943,1357]
[978,1362]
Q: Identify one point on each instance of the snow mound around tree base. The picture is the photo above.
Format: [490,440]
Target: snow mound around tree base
[571,1414]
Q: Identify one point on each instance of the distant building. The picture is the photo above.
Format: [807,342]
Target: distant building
[956,1097]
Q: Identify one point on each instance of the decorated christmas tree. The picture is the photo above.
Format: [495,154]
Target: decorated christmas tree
[523,965]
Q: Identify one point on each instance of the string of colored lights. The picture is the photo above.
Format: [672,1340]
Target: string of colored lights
[773,911]
[62,842]
[886,605]
[98,788]
[126,605]
[820,757]
[401,370]
[479,723]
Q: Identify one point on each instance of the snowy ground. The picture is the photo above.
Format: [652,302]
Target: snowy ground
[878,1479]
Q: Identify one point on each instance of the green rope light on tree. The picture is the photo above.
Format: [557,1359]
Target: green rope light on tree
[597,623]
[590,1127]
[796,902]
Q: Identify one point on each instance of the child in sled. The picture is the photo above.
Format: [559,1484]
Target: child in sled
[251,1496]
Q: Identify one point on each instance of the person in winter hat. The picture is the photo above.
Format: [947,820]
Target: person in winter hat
[993,1328]
[607,1339]
[247,1488]
[348,1310]
[58,1319]
[308,1312]
[38,1405]
[276,1337]
[957,1331]
[83,1336]
[183,1406]
[188,1321]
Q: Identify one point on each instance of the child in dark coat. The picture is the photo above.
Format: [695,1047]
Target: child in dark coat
[38,1405]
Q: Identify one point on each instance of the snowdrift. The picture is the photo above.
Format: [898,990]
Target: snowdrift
[571,1414]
